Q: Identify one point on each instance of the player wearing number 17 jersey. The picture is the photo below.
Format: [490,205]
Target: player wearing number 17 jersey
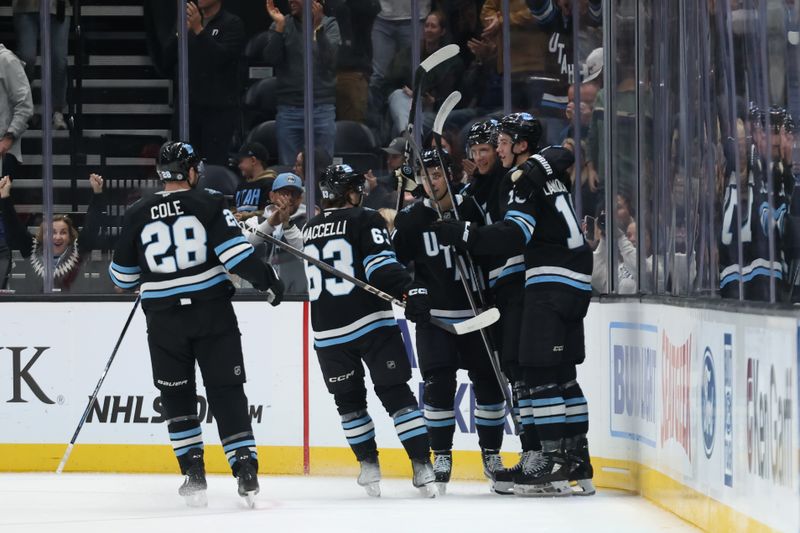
[351,325]
[177,246]
[539,219]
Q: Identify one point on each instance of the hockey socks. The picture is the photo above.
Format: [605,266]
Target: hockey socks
[232,444]
[410,426]
[490,423]
[546,410]
[441,424]
[185,434]
[577,410]
[360,433]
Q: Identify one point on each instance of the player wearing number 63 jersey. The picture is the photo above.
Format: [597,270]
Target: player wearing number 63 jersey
[351,325]
[539,219]
[177,246]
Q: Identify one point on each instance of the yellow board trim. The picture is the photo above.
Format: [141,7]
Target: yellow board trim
[690,505]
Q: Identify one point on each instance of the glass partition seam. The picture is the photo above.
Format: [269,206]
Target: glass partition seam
[47,143]
[308,103]
[183,73]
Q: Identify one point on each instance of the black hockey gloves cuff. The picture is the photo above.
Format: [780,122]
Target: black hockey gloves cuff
[418,304]
[455,233]
[276,288]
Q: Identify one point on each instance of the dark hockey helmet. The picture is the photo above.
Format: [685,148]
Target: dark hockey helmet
[175,159]
[521,127]
[430,159]
[777,115]
[483,132]
[338,180]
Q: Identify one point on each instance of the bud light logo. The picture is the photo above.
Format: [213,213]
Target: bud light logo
[708,402]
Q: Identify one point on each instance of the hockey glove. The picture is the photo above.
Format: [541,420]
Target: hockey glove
[276,288]
[455,233]
[418,304]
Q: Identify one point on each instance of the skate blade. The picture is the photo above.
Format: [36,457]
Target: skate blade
[198,499]
[441,488]
[554,489]
[583,487]
[428,490]
[250,498]
[502,488]
[373,489]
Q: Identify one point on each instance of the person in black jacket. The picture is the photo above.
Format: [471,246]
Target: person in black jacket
[70,247]
[216,40]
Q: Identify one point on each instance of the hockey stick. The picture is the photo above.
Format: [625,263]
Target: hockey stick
[431,62]
[483,320]
[465,262]
[97,388]
[448,105]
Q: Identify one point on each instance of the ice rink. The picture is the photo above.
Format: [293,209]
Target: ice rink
[109,503]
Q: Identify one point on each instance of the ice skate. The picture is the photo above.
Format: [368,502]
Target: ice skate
[370,476]
[194,485]
[503,479]
[580,469]
[424,478]
[542,474]
[442,467]
[492,463]
[246,472]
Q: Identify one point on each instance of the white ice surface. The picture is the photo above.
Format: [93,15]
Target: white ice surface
[109,503]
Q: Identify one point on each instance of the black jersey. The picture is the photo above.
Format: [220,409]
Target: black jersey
[253,195]
[539,217]
[755,268]
[179,247]
[355,241]
[502,269]
[434,264]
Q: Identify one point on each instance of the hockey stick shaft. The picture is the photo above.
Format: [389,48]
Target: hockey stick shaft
[450,328]
[88,409]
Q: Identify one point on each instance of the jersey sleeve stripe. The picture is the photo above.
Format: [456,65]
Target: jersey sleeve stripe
[526,222]
[374,267]
[233,251]
[377,258]
[187,288]
[239,258]
[125,269]
[228,244]
[123,281]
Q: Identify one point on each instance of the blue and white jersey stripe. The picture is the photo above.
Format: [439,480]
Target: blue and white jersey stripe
[376,261]
[123,276]
[233,251]
[355,329]
[513,265]
[452,316]
[759,267]
[576,410]
[184,284]
[551,274]
[525,221]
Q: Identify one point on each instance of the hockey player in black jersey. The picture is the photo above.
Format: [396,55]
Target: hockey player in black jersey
[539,219]
[441,353]
[178,246]
[752,218]
[351,325]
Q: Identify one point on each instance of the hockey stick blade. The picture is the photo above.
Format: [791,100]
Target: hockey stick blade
[483,320]
[439,56]
[444,111]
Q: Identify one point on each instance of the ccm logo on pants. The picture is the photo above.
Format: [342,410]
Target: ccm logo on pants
[344,377]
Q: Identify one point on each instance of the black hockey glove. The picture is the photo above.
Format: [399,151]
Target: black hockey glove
[455,233]
[418,304]
[276,288]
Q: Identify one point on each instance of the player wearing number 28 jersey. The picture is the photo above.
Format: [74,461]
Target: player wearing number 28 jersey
[177,246]
[539,219]
[351,325]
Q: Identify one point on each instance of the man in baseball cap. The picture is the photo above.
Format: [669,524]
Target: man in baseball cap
[593,67]
[252,195]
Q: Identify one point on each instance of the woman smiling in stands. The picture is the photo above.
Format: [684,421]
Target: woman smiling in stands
[70,247]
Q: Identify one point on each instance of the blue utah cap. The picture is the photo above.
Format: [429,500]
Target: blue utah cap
[287,179]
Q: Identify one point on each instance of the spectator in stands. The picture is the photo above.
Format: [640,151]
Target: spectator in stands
[354,63]
[436,87]
[16,109]
[70,248]
[625,257]
[285,52]
[216,40]
[322,159]
[26,27]
[452,145]
[588,94]
[382,189]
[391,36]
[252,195]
